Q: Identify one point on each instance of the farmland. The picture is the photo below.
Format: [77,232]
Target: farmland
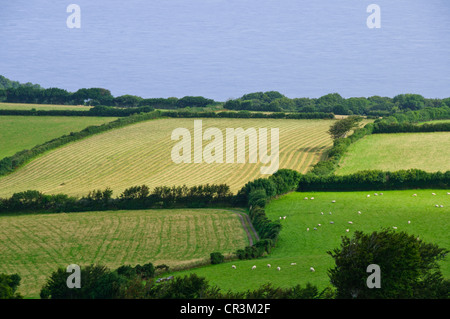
[35,245]
[23,132]
[43,107]
[141,154]
[308,248]
[391,152]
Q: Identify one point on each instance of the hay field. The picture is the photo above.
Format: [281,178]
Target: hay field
[35,245]
[141,154]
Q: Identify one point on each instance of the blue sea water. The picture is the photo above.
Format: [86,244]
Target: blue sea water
[225,48]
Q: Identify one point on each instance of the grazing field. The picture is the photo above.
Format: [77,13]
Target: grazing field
[36,245]
[23,132]
[391,152]
[141,154]
[308,248]
[42,107]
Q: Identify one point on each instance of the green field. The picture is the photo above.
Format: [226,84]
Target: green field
[23,132]
[308,248]
[434,122]
[35,245]
[141,154]
[42,107]
[391,152]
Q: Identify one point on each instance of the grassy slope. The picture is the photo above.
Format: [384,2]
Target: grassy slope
[35,245]
[42,107]
[391,152]
[141,154]
[23,132]
[308,249]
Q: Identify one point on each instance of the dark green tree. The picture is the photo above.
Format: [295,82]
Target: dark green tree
[408,267]
[340,128]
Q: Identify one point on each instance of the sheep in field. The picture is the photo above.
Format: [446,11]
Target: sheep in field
[312,197]
[368,195]
[254,267]
[350,222]
[268,265]
[278,268]
[233,266]
[293,264]
[307,229]
[312,269]
[394,227]
[347,230]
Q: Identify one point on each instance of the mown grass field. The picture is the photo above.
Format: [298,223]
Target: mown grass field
[141,154]
[308,248]
[391,152]
[42,107]
[23,132]
[35,245]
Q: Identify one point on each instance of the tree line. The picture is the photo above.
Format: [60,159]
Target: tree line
[273,101]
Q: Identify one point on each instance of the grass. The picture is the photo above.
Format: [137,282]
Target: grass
[434,122]
[392,152]
[42,107]
[308,248]
[23,132]
[141,154]
[36,245]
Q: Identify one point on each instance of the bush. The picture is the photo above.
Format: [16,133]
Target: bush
[217,258]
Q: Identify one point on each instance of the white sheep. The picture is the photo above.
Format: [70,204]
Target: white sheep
[442,206]
[409,222]
[359,212]
[269,265]
[433,193]
[306,197]
[233,266]
[321,213]
[333,201]
[381,193]
[293,264]
[350,222]
[414,195]
[319,225]
[329,213]
[278,268]
[284,217]
[254,267]
[307,229]
[368,195]
[312,197]
[312,269]
[347,230]
[376,194]
[394,227]
[436,205]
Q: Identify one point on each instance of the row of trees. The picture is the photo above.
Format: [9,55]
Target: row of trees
[334,103]
[137,197]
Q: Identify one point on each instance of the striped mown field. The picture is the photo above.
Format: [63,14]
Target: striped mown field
[35,245]
[23,132]
[141,154]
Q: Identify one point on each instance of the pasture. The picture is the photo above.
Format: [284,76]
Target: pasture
[391,152]
[308,248]
[36,245]
[141,154]
[23,132]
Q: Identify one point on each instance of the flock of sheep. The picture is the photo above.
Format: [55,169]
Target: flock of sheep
[332,222]
[278,268]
